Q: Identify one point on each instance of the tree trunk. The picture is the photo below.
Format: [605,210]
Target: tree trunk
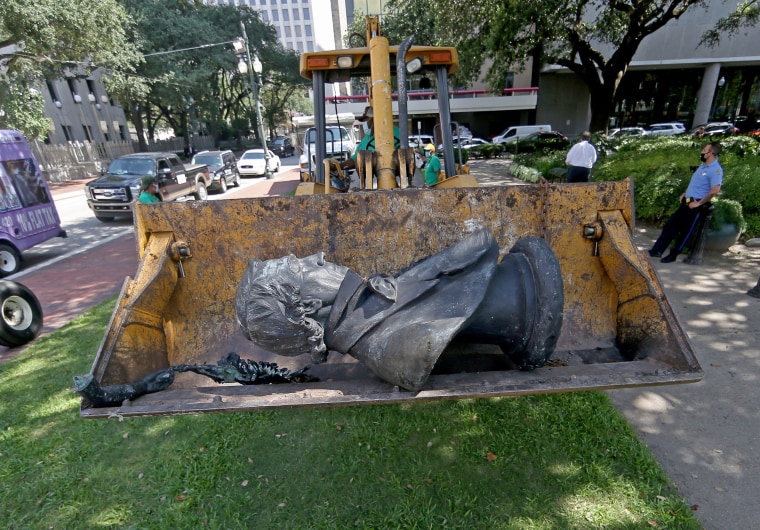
[602,104]
[137,121]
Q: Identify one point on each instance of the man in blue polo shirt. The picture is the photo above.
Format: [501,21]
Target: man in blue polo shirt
[704,185]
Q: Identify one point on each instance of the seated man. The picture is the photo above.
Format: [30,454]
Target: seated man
[368,141]
[399,325]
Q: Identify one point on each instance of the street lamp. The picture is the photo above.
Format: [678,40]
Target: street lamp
[721,82]
[246,66]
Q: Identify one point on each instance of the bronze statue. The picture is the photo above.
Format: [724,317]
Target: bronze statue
[399,325]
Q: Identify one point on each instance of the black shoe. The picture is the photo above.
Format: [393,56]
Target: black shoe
[670,258]
[655,253]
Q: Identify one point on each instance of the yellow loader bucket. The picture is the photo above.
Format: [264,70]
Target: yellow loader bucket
[618,328]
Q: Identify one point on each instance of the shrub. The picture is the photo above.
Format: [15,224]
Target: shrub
[727,211]
[661,168]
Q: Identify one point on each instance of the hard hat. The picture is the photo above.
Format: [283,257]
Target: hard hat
[145,182]
[429,147]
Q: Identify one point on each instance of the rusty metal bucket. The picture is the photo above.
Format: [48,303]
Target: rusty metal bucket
[619,329]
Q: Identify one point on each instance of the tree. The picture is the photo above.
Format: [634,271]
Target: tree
[192,69]
[595,39]
[44,39]
[746,15]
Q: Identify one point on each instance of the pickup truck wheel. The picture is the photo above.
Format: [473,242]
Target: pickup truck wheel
[10,260]
[223,184]
[236,182]
[20,314]
[202,193]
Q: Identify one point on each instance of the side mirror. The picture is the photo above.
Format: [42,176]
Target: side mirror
[165,171]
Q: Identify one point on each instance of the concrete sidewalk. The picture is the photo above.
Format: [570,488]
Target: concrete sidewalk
[705,434]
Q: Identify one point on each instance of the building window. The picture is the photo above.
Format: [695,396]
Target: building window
[285,15]
[265,16]
[67,132]
[300,46]
[287,32]
[296,14]
[53,93]
[279,33]
[306,13]
[72,87]
[309,46]
[87,133]
[307,28]
[298,31]
[275,16]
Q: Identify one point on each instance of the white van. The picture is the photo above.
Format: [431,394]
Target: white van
[518,132]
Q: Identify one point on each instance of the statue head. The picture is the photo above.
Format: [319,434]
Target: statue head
[282,304]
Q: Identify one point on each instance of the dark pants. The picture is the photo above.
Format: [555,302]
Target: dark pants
[680,226]
[578,174]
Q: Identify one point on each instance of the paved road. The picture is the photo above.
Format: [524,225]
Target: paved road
[70,276]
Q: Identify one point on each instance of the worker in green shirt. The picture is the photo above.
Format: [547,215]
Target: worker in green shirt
[432,166]
[148,190]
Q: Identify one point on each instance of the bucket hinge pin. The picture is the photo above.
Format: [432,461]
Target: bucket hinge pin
[593,231]
[180,251]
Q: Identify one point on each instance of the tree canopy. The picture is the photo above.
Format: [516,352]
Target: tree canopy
[595,39]
[49,38]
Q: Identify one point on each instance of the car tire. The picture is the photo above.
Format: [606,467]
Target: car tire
[20,314]
[104,218]
[201,194]
[236,181]
[223,184]
[10,260]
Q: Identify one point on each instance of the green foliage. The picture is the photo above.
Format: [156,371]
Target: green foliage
[727,211]
[45,39]
[486,151]
[545,461]
[661,168]
[21,108]
[595,40]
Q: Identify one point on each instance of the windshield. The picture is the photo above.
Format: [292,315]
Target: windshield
[332,134]
[212,161]
[254,155]
[131,166]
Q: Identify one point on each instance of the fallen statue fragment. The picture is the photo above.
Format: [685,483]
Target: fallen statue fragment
[229,369]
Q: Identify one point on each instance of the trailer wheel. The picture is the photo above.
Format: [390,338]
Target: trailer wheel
[201,194]
[10,260]
[20,314]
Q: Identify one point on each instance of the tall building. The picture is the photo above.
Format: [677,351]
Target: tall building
[303,25]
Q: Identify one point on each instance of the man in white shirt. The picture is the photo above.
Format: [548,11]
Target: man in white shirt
[581,159]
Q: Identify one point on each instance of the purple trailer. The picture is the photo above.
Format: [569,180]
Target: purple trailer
[27,212]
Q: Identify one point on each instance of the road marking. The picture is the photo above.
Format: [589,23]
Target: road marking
[85,248]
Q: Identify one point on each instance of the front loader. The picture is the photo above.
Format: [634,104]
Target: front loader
[617,327]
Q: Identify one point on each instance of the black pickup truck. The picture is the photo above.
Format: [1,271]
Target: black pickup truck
[114,193]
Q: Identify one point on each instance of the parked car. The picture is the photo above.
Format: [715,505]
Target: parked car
[252,164]
[666,129]
[282,146]
[519,132]
[472,142]
[222,166]
[721,128]
[115,192]
[540,140]
[418,141]
[628,131]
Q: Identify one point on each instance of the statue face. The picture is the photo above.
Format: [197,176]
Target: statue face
[321,279]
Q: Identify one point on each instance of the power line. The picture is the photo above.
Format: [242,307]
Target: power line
[187,49]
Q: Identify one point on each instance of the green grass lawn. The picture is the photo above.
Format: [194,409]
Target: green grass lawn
[550,461]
